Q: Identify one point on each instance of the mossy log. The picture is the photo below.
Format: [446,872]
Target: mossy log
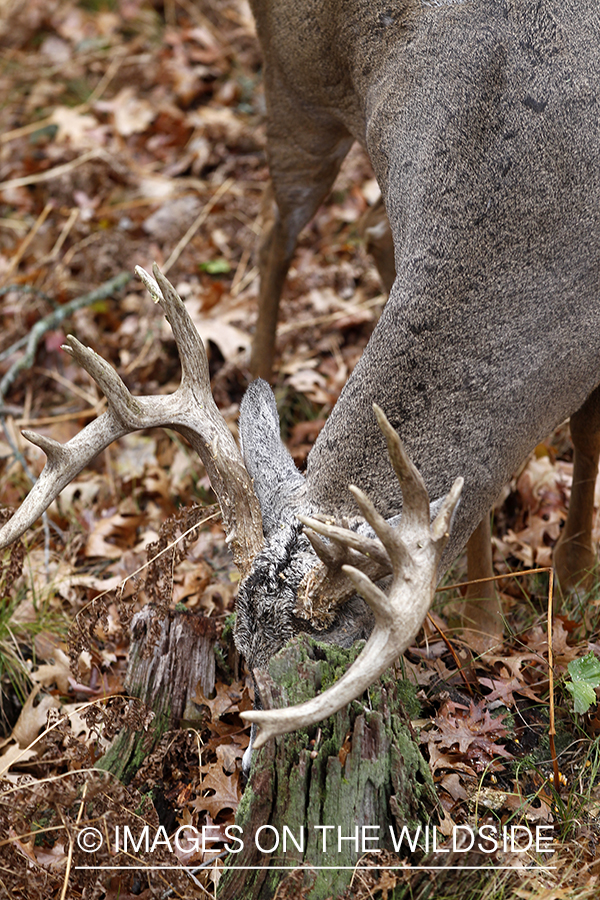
[324,796]
[170,654]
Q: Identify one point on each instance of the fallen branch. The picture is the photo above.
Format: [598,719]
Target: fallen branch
[53,320]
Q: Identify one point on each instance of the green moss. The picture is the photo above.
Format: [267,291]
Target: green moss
[361,767]
[129,750]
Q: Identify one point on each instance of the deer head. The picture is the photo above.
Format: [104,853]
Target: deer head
[290,561]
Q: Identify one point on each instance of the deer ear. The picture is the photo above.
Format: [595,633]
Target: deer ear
[277,481]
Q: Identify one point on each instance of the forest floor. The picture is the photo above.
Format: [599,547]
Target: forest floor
[128,135]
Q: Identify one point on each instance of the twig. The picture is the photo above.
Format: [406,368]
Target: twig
[240,273]
[552,728]
[86,396]
[15,449]
[89,413]
[222,189]
[21,459]
[27,289]
[453,653]
[49,174]
[73,216]
[461,584]
[349,310]
[24,289]
[27,240]
[35,335]
[65,887]
[52,320]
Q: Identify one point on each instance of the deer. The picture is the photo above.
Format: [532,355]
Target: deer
[490,338]
[264,525]
[361,72]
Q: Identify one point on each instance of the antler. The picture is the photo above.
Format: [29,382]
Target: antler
[191,410]
[414,549]
[325,588]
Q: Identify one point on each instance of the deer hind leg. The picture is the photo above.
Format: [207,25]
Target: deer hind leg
[376,233]
[482,611]
[305,155]
[574,556]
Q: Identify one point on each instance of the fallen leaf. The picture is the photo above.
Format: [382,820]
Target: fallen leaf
[226,793]
[57,672]
[33,718]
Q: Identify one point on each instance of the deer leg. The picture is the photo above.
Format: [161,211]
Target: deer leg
[374,228]
[303,167]
[574,555]
[482,610]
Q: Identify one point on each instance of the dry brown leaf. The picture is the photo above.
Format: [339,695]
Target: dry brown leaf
[136,452]
[55,858]
[81,130]
[13,754]
[453,785]
[57,672]
[226,793]
[228,755]
[33,718]
[472,733]
[122,528]
[226,700]
[132,114]
[503,689]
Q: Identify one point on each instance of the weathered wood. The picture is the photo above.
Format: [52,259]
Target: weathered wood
[164,675]
[361,767]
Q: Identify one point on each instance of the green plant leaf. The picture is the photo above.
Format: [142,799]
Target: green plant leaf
[585,675]
[216,267]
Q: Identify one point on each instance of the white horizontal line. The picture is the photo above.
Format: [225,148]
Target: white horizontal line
[349,868]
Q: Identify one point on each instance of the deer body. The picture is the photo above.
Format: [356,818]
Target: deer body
[482,120]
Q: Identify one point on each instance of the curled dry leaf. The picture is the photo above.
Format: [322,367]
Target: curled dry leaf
[32,718]
[58,672]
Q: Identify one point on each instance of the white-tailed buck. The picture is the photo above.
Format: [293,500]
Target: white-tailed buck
[482,120]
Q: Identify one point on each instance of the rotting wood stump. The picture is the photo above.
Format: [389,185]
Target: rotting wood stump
[360,771]
[171,652]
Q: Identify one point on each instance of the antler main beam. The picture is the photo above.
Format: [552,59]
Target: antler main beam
[191,410]
[414,549]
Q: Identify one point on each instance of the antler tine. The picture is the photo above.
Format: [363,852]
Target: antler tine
[330,554]
[324,589]
[414,550]
[351,540]
[112,386]
[415,498]
[192,353]
[201,423]
[191,410]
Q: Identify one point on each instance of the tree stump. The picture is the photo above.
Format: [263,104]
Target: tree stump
[325,796]
[171,652]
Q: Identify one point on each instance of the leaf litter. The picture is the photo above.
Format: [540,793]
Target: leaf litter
[127,139]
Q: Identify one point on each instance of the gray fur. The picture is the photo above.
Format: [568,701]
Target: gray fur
[482,120]
[277,482]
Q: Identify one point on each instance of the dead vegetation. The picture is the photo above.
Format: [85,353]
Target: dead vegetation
[132,133]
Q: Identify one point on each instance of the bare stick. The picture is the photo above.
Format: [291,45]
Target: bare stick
[53,320]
